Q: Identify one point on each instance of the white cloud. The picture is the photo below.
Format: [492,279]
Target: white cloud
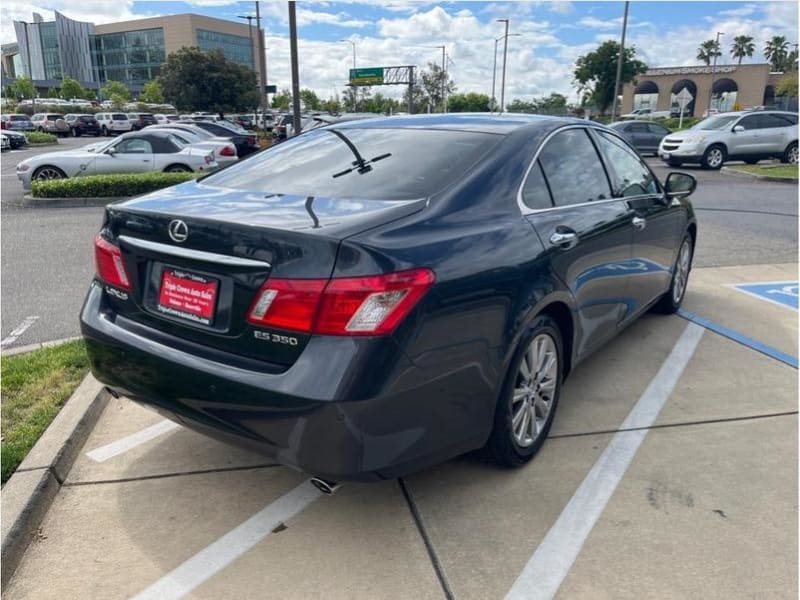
[742,11]
[308,17]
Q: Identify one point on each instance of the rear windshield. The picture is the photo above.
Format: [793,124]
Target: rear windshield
[119,117]
[19,118]
[87,119]
[399,164]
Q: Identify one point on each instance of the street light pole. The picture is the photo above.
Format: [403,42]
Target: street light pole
[714,69]
[253,53]
[505,56]
[620,58]
[262,66]
[296,123]
[355,90]
[494,67]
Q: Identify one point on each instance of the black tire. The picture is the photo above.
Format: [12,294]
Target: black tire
[177,169]
[668,303]
[790,154]
[503,446]
[74,132]
[674,163]
[714,157]
[751,161]
[96,134]
[105,131]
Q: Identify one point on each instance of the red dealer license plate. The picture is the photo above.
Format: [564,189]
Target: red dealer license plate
[188,296]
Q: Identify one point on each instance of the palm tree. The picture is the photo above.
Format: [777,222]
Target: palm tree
[775,52]
[707,51]
[742,47]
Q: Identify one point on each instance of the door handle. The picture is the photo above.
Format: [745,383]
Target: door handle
[565,239]
[639,223]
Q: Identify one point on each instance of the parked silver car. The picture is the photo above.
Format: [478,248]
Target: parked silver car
[748,135]
[139,152]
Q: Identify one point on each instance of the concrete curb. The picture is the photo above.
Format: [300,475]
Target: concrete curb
[29,201]
[37,346]
[755,177]
[30,491]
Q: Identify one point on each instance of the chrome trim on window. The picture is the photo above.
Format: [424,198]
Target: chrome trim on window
[188,253]
[527,210]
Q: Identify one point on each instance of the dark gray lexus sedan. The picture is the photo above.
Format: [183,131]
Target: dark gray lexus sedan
[376,296]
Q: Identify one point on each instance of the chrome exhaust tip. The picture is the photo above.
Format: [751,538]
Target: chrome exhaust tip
[326,487]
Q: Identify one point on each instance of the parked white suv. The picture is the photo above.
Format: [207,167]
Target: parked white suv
[113,122]
[749,136]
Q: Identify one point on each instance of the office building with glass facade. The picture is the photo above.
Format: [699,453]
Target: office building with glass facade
[131,52]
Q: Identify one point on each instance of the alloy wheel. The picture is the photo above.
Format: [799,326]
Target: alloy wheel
[714,158]
[534,390]
[681,275]
[793,155]
[48,173]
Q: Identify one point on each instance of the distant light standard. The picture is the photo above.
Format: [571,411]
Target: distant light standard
[714,69]
[494,65]
[620,58]
[505,56]
[355,91]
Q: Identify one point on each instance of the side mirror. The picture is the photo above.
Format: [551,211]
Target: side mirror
[112,152]
[737,128]
[679,185]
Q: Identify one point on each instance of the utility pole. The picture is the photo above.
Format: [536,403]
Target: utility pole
[444,74]
[505,56]
[619,63]
[714,69]
[353,88]
[253,51]
[494,68]
[295,69]
[261,62]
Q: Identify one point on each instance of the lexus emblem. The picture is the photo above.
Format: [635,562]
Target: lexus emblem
[178,231]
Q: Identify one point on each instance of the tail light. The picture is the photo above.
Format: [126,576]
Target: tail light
[228,151]
[109,265]
[346,306]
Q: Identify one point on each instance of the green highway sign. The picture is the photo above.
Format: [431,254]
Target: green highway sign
[368,76]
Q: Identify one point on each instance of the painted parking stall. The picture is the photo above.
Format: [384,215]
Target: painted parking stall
[154,510]
[781,293]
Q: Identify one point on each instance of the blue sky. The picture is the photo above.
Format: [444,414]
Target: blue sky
[540,60]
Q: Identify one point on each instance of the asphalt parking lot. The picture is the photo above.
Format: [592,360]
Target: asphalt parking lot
[671,471]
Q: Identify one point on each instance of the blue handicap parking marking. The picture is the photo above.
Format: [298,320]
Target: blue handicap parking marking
[783,293]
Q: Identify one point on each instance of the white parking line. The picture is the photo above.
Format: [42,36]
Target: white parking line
[103,453]
[549,565]
[212,559]
[23,327]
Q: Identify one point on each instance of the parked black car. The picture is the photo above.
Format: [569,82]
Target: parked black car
[645,136]
[244,121]
[246,143]
[82,125]
[141,120]
[16,139]
[370,298]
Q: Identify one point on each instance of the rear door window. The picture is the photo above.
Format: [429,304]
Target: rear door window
[535,193]
[398,164]
[630,175]
[657,129]
[573,169]
[637,128]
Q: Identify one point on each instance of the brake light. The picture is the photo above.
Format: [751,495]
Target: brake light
[372,305]
[228,151]
[109,265]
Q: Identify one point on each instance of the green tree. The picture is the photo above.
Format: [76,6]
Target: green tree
[380,104]
[776,51]
[116,88]
[152,93]
[471,102]
[24,88]
[787,86]
[742,47]
[196,80]
[554,104]
[70,89]
[520,106]
[432,80]
[708,50]
[309,99]
[283,100]
[332,104]
[118,100]
[596,72]
[419,102]
[54,92]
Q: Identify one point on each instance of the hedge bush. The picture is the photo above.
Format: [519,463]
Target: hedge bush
[672,123]
[108,186]
[38,137]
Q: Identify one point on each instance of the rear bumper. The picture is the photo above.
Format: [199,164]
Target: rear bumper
[347,409]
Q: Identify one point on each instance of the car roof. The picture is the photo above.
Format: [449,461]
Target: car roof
[502,124]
